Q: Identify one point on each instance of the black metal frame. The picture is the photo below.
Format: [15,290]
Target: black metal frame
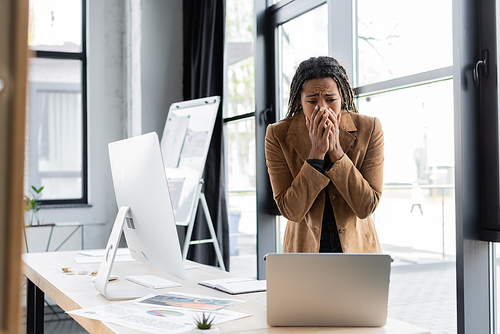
[285,11]
[239,117]
[473,256]
[485,81]
[265,95]
[34,308]
[82,56]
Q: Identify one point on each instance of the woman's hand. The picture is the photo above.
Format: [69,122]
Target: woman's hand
[320,131]
[335,151]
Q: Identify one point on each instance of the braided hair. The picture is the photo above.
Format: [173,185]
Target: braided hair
[319,68]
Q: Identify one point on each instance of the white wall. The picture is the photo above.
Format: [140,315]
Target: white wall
[161,77]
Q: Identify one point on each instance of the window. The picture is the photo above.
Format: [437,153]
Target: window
[389,44]
[410,89]
[415,218]
[239,120]
[57,115]
[302,37]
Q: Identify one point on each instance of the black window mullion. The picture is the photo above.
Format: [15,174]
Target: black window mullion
[84,105]
[239,117]
[60,55]
[290,10]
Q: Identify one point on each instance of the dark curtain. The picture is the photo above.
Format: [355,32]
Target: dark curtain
[203,76]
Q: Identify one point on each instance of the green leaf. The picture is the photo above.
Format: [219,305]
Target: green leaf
[38,191]
[205,322]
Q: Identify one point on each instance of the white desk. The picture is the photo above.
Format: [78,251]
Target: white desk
[71,292]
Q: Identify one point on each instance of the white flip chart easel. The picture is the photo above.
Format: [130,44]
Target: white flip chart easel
[184,145]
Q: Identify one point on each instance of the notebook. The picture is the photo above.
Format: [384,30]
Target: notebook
[327,289]
[235,285]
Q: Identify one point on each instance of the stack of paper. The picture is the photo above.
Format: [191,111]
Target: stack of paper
[165,313]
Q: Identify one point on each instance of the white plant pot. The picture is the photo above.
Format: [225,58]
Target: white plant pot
[213,330]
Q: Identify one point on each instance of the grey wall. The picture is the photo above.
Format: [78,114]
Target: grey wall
[161,61]
[161,77]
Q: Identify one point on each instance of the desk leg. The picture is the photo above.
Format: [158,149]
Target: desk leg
[34,309]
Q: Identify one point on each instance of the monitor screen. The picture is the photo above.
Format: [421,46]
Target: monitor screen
[140,183]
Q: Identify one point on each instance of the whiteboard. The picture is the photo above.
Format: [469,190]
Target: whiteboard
[184,146]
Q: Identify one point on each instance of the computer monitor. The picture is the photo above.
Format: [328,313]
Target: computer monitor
[145,212]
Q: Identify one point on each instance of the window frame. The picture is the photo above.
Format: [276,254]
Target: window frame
[268,19]
[473,255]
[81,56]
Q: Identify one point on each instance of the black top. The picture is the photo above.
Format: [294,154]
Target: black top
[330,241]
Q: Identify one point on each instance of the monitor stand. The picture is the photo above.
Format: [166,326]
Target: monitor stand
[102,279]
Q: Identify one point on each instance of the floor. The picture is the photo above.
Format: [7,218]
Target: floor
[66,324]
[424,295]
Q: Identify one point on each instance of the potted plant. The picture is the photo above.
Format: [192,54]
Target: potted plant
[32,205]
[203,325]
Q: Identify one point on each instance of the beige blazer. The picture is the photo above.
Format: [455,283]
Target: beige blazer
[354,183]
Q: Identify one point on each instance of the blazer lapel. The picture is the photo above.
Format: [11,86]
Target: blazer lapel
[298,136]
[347,130]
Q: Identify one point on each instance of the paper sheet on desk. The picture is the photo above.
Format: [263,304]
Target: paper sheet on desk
[185,300]
[152,318]
[98,259]
[100,252]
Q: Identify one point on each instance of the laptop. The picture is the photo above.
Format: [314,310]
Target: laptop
[327,289]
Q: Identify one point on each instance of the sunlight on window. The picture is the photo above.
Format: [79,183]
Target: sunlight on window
[415,218]
[399,38]
[240,137]
[301,38]
[55,25]
[56,124]
[55,127]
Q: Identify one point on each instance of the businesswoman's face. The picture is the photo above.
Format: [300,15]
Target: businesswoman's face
[322,93]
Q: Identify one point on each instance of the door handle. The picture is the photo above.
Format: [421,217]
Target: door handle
[266,116]
[480,64]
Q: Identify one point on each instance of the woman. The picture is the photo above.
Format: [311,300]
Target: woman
[325,163]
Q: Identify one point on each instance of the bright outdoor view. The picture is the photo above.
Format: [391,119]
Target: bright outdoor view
[54,152]
[416,216]
[240,136]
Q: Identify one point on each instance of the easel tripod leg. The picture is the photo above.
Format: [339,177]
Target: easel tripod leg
[212,232]
[187,240]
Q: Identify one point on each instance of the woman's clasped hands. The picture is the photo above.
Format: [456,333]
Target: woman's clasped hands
[323,127]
